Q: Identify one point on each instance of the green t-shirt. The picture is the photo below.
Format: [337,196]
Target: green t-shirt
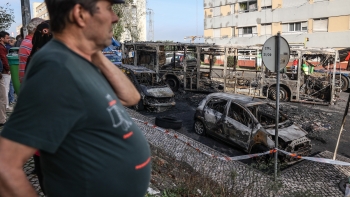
[88,143]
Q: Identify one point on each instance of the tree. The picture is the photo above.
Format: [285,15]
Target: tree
[6,17]
[129,19]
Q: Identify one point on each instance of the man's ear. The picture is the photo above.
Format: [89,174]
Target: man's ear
[78,15]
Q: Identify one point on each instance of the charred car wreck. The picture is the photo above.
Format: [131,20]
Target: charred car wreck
[248,123]
[155,93]
[177,63]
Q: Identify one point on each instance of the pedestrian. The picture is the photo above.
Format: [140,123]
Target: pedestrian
[71,108]
[2,97]
[11,94]
[6,75]
[19,39]
[26,46]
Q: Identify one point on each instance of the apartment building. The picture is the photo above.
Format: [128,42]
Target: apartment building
[313,23]
[40,11]
[135,22]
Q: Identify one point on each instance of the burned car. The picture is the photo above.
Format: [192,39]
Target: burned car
[155,93]
[248,123]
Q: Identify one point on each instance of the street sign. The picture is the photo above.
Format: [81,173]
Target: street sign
[269,53]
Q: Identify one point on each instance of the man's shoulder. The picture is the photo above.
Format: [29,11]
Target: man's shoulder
[54,51]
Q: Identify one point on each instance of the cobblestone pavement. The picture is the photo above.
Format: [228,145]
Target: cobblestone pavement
[28,168]
[305,178]
[314,178]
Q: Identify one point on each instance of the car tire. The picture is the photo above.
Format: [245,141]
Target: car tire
[199,127]
[344,83]
[284,96]
[173,83]
[168,122]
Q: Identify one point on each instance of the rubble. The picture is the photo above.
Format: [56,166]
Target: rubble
[312,121]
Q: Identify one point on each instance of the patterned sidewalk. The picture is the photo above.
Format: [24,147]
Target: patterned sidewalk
[28,168]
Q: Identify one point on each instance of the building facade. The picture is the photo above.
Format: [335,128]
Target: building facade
[40,11]
[312,23]
[135,22]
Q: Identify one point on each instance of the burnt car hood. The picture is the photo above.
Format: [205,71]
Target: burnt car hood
[290,133]
[159,92]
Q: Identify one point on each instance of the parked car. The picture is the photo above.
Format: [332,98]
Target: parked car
[156,95]
[248,123]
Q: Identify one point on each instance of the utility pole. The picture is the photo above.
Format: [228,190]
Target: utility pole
[25,8]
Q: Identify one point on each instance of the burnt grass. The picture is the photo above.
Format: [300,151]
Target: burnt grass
[177,178]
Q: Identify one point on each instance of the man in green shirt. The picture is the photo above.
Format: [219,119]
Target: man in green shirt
[71,108]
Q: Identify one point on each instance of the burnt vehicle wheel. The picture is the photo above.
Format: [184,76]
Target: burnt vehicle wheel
[283,94]
[173,83]
[199,127]
[168,122]
[344,83]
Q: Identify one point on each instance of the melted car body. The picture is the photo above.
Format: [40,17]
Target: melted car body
[248,123]
[156,95]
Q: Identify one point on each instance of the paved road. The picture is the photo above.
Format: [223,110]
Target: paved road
[185,112]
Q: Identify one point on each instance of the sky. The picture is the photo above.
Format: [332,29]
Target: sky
[173,19]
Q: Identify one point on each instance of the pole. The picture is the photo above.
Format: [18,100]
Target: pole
[277,69]
[25,7]
[341,128]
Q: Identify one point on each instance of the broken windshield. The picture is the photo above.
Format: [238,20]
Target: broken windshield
[266,115]
[149,79]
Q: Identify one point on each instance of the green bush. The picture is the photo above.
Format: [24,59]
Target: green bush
[230,61]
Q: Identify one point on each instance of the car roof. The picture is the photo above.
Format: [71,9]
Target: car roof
[136,69]
[241,99]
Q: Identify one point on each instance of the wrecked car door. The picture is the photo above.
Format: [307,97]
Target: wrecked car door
[238,125]
[213,113]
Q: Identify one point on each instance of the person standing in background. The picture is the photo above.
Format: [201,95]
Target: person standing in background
[6,75]
[26,46]
[19,38]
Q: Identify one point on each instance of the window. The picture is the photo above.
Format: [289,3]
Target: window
[216,33]
[246,54]
[217,104]
[320,25]
[217,11]
[266,4]
[266,7]
[266,29]
[239,114]
[247,31]
[248,6]
[294,27]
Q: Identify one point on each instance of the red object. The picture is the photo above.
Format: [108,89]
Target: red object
[24,52]
[5,62]
[37,153]
[348,57]
[295,62]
